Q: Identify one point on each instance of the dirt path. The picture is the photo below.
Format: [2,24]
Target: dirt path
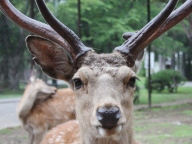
[180,102]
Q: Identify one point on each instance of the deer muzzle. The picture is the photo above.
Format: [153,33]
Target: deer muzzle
[108,116]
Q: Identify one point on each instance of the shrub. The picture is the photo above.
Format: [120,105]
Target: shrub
[169,79]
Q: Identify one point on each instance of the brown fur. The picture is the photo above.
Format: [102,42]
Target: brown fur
[105,79]
[72,137]
[43,107]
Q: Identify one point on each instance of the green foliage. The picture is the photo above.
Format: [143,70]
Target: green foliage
[102,25]
[169,79]
[170,42]
[103,22]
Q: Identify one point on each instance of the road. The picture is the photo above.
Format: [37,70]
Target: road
[8,117]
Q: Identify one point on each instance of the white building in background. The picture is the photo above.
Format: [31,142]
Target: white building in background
[152,62]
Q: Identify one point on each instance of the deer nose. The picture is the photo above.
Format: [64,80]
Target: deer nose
[108,117]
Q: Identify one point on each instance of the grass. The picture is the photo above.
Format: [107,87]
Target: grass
[11,94]
[156,109]
[159,132]
[182,131]
[5,131]
[165,96]
[13,135]
[187,112]
[166,131]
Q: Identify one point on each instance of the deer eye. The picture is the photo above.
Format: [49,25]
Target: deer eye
[132,81]
[77,83]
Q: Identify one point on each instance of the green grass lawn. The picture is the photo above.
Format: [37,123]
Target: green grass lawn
[165,96]
[183,93]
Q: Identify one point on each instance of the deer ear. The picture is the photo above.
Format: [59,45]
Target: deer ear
[138,61]
[52,58]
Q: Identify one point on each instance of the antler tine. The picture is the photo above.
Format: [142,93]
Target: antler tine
[134,45]
[77,46]
[176,16]
[32,25]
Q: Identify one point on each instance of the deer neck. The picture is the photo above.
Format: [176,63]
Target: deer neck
[125,137]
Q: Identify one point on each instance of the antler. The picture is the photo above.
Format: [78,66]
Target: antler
[75,42]
[31,25]
[157,26]
[176,16]
[43,30]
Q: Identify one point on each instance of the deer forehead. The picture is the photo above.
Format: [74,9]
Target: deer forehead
[95,65]
[103,74]
[114,59]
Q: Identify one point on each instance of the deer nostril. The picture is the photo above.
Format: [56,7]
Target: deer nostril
[108,117]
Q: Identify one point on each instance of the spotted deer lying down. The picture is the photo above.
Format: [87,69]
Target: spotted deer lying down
[104,83]
[43,107]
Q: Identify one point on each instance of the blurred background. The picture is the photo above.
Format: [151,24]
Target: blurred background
[100,24]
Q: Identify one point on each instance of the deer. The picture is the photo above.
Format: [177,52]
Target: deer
[43,107]
[103,83]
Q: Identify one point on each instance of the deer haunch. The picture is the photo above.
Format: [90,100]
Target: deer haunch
[43,107]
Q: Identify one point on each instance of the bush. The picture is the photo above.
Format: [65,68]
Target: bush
[169,79]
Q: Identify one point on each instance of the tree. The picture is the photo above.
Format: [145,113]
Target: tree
[103,22]
[12,47]
[187,26]
[102,26]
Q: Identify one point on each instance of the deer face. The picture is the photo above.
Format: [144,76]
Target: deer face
[104,86]
[103,83]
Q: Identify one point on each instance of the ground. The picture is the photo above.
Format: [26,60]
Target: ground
[159,125]
[164,125]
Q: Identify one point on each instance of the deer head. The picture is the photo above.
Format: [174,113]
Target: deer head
[104,83]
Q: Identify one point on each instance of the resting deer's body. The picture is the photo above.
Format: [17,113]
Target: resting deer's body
[104,83]
[43,107]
